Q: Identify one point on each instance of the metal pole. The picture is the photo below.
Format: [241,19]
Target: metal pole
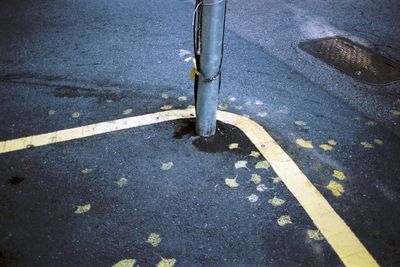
[209,51]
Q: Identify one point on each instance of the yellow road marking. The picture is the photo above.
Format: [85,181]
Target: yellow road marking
[343,241]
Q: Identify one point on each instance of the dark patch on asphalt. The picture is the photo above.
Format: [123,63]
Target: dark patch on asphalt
[14,180]
[224,136]
[187,129]
[72,92]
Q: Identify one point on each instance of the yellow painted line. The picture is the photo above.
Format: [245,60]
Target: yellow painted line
[343,241]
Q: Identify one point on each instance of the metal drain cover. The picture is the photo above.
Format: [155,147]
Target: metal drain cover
[353,59]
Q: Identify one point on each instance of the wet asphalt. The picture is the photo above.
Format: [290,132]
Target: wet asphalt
[100,58]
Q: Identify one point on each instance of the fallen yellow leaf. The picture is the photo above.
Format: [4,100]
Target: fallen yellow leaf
[300,123]
[167,166]
[276,201]
[255,178]
[52,112]
[233,146]
[336,188]
[283,220]
[303,143]
[223,106]
[395,112]
[166,107]
[378,141]
[252,198]
[326,147]
[261,188]
[276,179]
[338,174]
[332,142]
[125,263]
[231,182]
[127,111]
[86,171]
[166,262]
[154,239]
[315,235]
[122,182]
[262,114]
[262,165]
[241,164]
[82,209]
[371,123]
[76,115]
[367,145]
[254,154]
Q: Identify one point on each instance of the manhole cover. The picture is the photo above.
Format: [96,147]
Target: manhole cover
[353,59]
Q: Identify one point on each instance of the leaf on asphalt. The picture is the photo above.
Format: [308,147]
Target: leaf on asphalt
[261,188]
[127,111]
[232,99]
[336,188]
[303,143]
[241,164]
[262,114]
[125,263]
[378,141]
[315,235]
[276,179]
[283,220]
[367,145]
[395,112]
[182,98]
[332,142]
[300,123]
[75,115]
[166,262]
[326,147]
[262,165]
[167,166]
[86,171]
[109,100]
[231,182]
[154,239]
[165,96]
[122,182]
[233,146]
[255,178]
[252,198]
[339,175]
[82,209]
[52,112]
[371,123]
[258,103]
[166,107]
[223,106]
[254,154]
[276,201]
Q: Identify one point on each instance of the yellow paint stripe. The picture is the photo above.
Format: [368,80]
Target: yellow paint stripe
[343,241]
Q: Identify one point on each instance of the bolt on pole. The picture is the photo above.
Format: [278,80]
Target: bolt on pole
[209,39]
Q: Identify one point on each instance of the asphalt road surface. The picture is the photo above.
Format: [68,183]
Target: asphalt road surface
[66,64]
